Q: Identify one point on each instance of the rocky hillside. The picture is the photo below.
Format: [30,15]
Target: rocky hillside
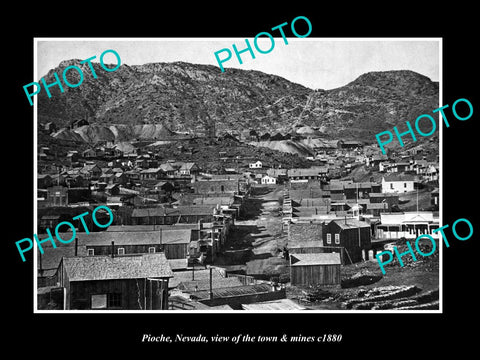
[375,102]
[190,98]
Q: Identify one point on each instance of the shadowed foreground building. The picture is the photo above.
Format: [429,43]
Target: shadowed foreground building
[315,269]
[350,237]
[135,282]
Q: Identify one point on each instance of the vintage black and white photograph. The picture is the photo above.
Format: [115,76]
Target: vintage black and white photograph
[209,175]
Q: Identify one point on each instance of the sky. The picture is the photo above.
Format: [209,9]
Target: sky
[317,63]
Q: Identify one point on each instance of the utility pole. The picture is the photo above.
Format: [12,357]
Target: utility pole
[193,269]
[358,209]
[417,199]
[211,290]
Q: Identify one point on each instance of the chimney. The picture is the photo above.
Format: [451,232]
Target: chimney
[113,249]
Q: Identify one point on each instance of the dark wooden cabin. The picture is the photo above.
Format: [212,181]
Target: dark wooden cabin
[349,236]
[138,282]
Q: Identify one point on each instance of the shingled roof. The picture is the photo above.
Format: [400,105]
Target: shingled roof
[179,210]
[315,259]
[91,268]
[147,237]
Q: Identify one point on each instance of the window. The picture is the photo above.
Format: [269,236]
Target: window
[151,250]
[114,300]
[121,251]
[337,239]
[329,238]
[99,301]
[90,252]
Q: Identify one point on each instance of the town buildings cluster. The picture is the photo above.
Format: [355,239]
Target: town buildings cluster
[172,220]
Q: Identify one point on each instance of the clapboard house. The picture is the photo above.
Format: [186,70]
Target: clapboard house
[170,216]
[315,269]
[350,237]
[137,282]
[173,243]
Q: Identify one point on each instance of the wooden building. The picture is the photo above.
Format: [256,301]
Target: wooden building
[350,237]
[361,190]
[44,181]
[312,173]
[349,144]
[398,183]
[218,186]
[170,216]
[390,198]
[172,242]
[315,269]
[409,225]
[115,283]
[153,174]
[57,196]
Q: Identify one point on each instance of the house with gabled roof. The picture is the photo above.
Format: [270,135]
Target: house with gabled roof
[315,269]
[398,183]
[137,282]
[168,169]
[173,242]
[268,180]
[349,237]
[188,168]
[44,181]
[151,174]
[89,153]
[255,165]
[91,171]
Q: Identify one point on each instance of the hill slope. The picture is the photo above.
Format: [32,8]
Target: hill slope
[191,98]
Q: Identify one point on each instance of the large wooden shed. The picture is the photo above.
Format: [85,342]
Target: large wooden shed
[315,269]
[136,282]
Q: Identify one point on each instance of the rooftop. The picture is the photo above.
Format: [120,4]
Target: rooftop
[161,236]
[315,259]
[179,210]
[399,177]
[233,291]
[204,284]
[136,228]
[307,172]
[381,195]
[91,268]
[350,223]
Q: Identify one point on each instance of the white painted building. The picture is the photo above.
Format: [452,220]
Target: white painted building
[398,183]
[268,180]
[255,165]
[409,225]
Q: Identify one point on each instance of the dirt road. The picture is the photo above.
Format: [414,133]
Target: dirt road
[261,229]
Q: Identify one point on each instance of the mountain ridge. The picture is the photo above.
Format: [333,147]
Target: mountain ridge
[191,98]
